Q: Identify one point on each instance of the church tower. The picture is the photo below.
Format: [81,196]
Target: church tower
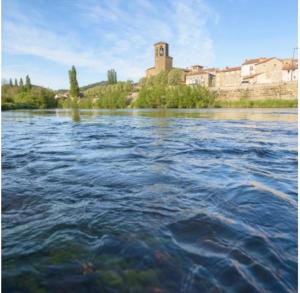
[162,60]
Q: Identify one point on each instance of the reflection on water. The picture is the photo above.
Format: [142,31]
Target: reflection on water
[285,115]
[75,115]
[149,201]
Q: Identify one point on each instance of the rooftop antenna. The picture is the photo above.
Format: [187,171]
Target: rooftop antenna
[294,50]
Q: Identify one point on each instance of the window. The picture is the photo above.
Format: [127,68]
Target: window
[161,51]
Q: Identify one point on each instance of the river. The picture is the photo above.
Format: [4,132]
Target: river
[149,201]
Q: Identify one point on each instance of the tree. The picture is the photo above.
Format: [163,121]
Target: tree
[111,76]
[10,82]
[16,82]
[175,77]
[28,83]
[21,84]
[142,81]
[4,81]
[74,87]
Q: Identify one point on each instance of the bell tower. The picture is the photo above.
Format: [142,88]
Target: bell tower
[162,59]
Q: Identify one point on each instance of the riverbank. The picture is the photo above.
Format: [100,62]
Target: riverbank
[155,93]
[265,103]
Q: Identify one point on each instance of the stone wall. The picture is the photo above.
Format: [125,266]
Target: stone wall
[288,91]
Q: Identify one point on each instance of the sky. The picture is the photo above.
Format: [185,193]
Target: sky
[44,38]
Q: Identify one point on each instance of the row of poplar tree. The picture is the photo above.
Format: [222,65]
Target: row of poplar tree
[21,83]
[74,87]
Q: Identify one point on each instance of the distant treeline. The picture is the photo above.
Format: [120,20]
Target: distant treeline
[112,96]
[18,95]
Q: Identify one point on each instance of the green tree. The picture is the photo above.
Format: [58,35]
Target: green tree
[10,82]
[74,87]
[142,81]
[16,82]
[28,83]
[175,77]
[21,84]
[111,76]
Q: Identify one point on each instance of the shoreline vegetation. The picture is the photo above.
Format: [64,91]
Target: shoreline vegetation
[163,91]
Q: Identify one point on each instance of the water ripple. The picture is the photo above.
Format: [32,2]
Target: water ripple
[150,201]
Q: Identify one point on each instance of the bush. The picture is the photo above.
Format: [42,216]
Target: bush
[108,96]
[8,106]
[157,94]
[34,98]
[175,77]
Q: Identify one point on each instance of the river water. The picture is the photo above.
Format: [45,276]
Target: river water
[149,201]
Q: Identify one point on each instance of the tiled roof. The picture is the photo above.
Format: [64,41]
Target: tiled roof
[266,60]
[252,76]
[211,69]
[290,67]
[254,61]
[227,69]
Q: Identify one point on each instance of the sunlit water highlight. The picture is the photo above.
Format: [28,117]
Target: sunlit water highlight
[149,201]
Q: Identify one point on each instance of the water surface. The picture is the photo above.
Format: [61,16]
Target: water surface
[149,201]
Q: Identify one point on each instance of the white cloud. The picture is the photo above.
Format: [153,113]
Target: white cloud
[126,35]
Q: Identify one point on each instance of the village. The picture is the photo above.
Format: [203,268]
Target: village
[256,78]
[260,71]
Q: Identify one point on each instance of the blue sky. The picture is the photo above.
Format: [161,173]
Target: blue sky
[45,38]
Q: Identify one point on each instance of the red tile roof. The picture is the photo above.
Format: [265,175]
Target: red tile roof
[227,69]
[254,61]
[290,67]
[266,60]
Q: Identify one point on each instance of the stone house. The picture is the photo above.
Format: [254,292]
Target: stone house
[271,68]
[63,95]
[228,77]
[203,78]
[196,68]
[248,67]
[261,70]
[290,72]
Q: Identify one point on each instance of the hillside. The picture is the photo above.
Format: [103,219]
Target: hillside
[89,86]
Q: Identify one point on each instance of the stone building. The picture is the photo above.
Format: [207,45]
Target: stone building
[248,67]
[196,68]
[162,60]
[203,78]
[289,69]
[290,72]
[261,70]
[228,77]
